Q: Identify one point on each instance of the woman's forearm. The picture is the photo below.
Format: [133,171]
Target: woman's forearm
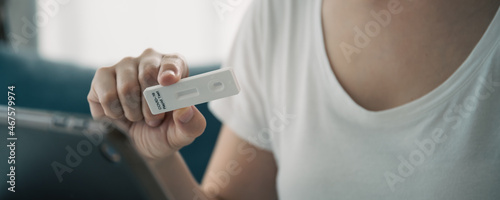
[176,179]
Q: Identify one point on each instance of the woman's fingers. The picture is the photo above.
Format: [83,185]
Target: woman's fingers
[116,93]
[129,89]
[147,76]
[95,107]
[104,91]
[173,67]
[189,124]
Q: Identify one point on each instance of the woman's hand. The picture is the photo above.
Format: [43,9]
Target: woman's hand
[116,93]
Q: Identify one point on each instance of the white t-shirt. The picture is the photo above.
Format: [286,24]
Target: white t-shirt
[444,145]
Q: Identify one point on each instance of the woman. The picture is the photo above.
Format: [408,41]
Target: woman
[339,99]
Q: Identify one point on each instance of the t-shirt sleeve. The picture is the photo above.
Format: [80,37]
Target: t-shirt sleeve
[245,113]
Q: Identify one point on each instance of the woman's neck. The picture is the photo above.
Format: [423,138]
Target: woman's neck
[386,52]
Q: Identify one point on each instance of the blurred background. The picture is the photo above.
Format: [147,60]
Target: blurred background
[96,33]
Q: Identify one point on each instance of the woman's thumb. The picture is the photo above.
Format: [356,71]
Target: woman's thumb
[189,123]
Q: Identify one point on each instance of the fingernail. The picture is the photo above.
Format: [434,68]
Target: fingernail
[154,123]
[186,115]
[168,72]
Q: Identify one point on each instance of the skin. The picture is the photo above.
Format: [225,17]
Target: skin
[421,47]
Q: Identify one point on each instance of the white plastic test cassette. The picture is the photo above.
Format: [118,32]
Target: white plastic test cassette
[192,90]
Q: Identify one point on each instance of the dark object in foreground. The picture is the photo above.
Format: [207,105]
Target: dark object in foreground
[66,156]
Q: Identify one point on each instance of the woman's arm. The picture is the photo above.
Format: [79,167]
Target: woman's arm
[237,170]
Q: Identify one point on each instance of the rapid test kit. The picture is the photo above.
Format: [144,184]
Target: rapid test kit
[192,90]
